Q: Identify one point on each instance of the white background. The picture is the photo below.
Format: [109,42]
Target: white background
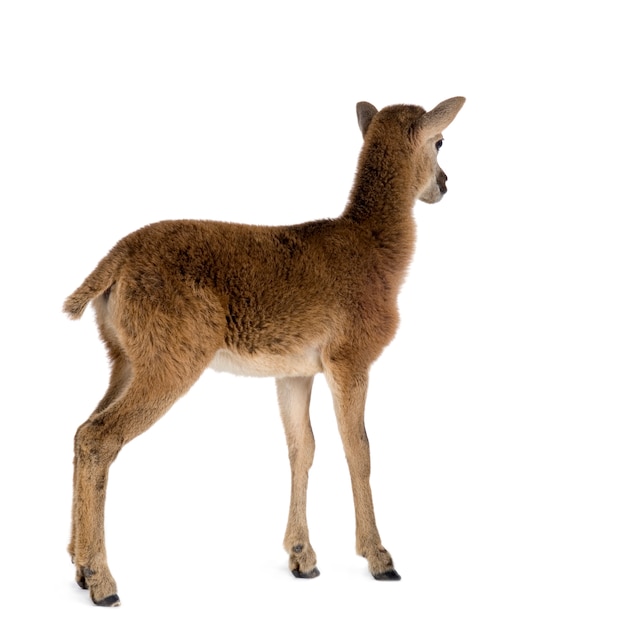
[496,417]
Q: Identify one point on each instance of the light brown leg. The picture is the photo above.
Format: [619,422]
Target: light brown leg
[97,443]
[294,395]
[349,390]
[119,379]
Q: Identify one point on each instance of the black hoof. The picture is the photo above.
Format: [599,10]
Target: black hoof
[113,600]
[388,575]
[82,583]
[314,573]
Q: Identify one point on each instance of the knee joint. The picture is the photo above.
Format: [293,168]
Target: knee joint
[93,442]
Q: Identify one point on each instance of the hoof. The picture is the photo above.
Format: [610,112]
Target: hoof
[390,574]
[82,583]
[113,600]
[314,573]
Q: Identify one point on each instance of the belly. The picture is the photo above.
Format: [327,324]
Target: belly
[305,363]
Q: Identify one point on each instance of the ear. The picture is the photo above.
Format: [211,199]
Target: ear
[433,122]
[365,113]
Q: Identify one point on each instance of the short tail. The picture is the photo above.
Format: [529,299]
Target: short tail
[101,279]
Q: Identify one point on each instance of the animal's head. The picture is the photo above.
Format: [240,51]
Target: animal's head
[420,132]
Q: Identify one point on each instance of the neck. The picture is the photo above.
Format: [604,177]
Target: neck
[382,197]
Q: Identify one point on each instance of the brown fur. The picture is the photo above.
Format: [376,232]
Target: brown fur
[176,297]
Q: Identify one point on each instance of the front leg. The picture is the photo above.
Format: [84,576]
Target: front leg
[349,390]
[294,395]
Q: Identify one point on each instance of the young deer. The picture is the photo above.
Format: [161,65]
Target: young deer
[176,297]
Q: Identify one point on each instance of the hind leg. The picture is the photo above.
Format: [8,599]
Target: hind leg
[158,353]
[119,378]
[149,394]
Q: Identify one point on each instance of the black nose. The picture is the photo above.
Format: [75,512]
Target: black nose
[441,182]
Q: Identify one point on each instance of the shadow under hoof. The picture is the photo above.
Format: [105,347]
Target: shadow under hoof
[113,600]
[388,575]
[314,573]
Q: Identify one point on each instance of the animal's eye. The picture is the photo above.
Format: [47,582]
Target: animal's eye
[439,144]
